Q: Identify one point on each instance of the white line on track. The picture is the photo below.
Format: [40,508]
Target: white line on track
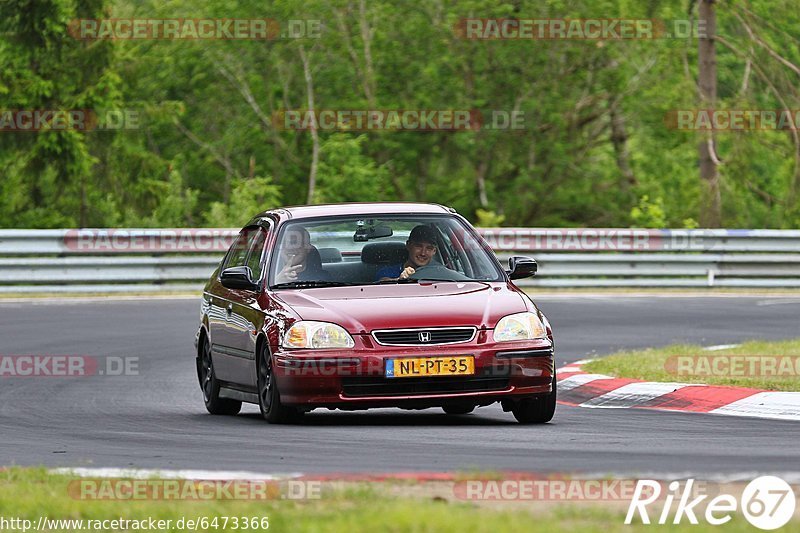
[720,347]
[779,302]
[791,477]
[137,473]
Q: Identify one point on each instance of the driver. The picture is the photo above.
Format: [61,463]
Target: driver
[421,246]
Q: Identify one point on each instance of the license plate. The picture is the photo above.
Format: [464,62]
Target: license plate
[410,367]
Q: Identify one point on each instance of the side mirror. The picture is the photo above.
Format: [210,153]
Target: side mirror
[238,277]
[521,267]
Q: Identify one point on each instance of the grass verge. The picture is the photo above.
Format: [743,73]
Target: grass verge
[32,493]
[755,364]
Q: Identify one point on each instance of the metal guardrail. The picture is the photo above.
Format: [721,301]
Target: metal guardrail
[147,260]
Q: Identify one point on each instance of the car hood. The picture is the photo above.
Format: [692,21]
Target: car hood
[362,309]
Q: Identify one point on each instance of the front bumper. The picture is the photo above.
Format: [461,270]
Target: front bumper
[354,378]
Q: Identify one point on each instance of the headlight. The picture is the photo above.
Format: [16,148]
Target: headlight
[310,334]
[519,327]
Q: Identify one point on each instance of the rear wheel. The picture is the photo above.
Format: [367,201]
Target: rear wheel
[536,409]
[208,382]
[269,398]
[458,409]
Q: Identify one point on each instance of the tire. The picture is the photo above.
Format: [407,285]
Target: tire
[269,398]
[536,409]
[458,409]
[210,386]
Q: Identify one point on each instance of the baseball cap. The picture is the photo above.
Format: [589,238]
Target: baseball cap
[423,233]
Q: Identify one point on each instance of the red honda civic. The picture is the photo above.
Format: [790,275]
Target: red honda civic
[357,306]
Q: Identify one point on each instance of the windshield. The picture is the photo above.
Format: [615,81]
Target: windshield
[362,250]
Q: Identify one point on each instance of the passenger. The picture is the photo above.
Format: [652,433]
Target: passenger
[299,260]
[421,246]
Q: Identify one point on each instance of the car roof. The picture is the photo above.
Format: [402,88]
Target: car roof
[355,208]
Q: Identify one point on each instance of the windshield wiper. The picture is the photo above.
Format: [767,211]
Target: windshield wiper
[432,280]
[309,284]
[396,281]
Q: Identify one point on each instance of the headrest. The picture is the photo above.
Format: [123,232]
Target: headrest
[391,253]
[330,255]
[313,260]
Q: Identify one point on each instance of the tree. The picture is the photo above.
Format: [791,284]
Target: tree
[711,203]
[46,69]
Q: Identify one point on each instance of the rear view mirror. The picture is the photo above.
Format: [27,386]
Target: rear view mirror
[373,232]
[521,267]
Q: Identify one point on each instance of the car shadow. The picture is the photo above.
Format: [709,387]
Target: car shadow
[391,418]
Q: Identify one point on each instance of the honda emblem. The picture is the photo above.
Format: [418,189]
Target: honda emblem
[424,336]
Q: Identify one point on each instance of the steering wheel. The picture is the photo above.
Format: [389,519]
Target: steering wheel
[437,273]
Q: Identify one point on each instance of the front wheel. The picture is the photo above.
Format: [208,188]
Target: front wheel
[208,382]
[269,398]
[537,409]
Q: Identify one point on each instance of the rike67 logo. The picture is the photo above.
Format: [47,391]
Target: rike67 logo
[767,502]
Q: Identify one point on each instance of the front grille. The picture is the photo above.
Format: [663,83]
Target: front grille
[423,336]
[355,387]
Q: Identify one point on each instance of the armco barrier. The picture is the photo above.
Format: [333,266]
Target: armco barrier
[147,260]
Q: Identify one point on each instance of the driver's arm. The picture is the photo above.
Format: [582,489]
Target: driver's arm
[405,274]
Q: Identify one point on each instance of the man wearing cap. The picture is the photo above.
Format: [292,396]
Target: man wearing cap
[421,246]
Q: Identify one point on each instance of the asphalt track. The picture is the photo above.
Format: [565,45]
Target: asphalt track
[157,419]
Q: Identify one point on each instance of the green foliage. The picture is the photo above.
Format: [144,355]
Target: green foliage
[346,174]
[689,223]
[488,219]
[46,69]
[649,214]
[595,149]
[177,204]
[248,197]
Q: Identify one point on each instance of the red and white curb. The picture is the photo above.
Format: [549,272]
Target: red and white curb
[579,388]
